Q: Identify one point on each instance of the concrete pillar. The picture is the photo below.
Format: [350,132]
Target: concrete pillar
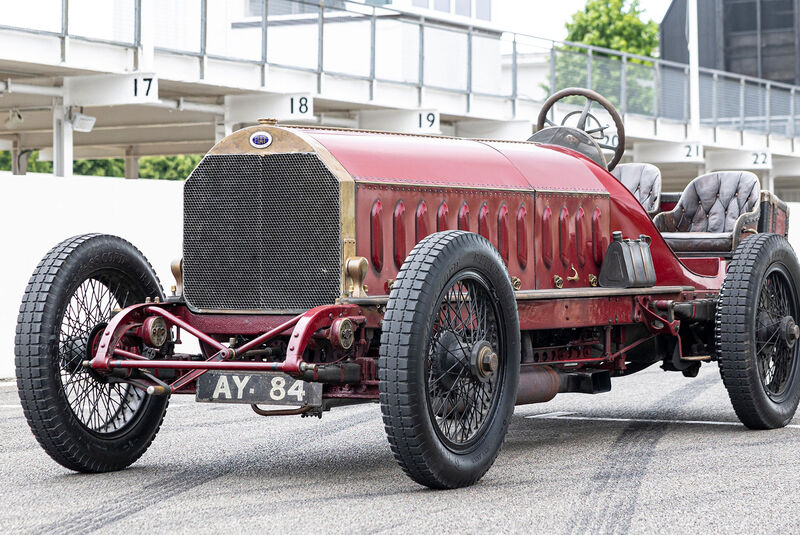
[131,163]
[19,159]
[62,141]
[768,180]
[222,126]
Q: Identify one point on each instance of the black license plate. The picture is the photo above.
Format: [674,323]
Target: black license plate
[266,388]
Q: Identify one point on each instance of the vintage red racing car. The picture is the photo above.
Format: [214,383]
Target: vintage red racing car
[446,279]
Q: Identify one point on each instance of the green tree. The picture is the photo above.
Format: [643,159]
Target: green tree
[156,167]
[104,167]
[36,166]
[168,167]
[616,25]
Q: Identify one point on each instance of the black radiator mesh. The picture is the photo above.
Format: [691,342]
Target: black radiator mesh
[261,232]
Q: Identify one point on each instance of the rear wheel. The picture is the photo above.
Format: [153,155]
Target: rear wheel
[449,364]
[757,332]
[84,421]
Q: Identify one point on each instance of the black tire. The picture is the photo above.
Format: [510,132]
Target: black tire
[759,356]
[416,414]
[54,388]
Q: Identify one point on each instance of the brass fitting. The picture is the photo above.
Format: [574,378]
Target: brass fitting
[177,271]
[342,333]
[558,281]
[573,276]
[356,268]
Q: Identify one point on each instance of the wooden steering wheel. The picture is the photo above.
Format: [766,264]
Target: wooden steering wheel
[586,117]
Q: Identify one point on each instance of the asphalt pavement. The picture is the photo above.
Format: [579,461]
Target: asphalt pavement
[660,453]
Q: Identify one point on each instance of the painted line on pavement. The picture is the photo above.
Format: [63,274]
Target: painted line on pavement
[561,415]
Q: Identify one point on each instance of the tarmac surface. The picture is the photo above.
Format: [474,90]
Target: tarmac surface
[660,453]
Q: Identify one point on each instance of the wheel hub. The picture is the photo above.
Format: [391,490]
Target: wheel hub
[483,361]
[450,359]
[790,331]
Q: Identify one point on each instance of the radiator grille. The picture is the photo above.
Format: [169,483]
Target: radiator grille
[261,233]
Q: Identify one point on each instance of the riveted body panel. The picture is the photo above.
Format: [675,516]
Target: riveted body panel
[554,208]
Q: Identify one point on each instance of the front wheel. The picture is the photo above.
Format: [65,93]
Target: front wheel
[84,421]
[449,360]
[758,331]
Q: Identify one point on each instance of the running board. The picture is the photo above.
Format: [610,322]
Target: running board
[568,293]
[572,293]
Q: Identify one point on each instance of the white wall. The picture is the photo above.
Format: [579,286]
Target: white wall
[38,211]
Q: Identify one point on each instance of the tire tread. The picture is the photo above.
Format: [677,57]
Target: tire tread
[396,371]
[39,400]
[737,364]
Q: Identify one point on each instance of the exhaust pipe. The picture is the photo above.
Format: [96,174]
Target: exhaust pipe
[537,384]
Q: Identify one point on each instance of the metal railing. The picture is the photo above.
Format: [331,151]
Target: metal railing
[349,39]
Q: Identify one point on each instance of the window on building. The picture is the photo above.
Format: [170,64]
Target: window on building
[442,5]
[464,7]
[740,16]
[420,3]
[740,31]
[777,40]
[483,9]
[777,14]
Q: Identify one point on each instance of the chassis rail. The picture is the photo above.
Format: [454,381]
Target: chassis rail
[602,309]
[303,328]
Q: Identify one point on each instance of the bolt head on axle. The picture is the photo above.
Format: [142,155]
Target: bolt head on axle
[790,331]
[484,361]
[488,362]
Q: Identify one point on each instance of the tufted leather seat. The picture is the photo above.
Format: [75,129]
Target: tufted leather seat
[643,180]
[712,213]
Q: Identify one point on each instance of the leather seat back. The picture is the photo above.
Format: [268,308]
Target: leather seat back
[643,180]
[713,202]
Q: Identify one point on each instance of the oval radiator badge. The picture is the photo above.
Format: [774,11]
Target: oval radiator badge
[260,140]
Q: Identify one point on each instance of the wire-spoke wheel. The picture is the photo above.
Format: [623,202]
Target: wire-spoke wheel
[449,362]
[464,373]
[103,407]
[776,332]
[758,331]
[85,421]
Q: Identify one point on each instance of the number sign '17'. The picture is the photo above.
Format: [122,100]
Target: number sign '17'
[110,89]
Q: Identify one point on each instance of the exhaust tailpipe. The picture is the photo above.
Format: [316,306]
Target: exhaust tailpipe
[537,384]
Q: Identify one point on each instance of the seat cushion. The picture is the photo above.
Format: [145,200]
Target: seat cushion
[699,242]
[643,180]
[713,202]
